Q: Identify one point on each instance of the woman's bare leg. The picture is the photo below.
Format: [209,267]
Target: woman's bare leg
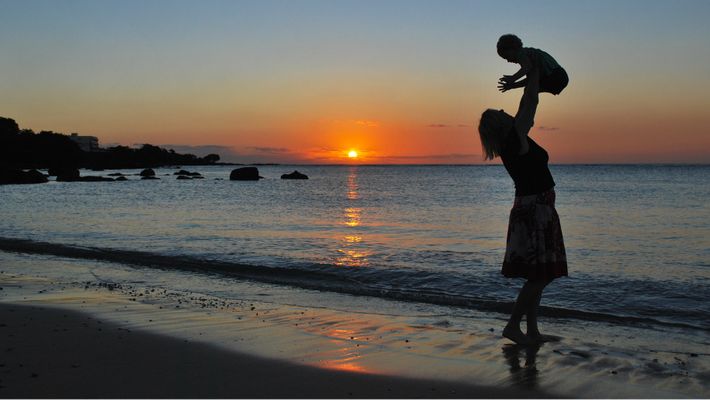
[531,316]
[529,294]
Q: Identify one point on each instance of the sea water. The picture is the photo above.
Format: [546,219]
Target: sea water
[637,236]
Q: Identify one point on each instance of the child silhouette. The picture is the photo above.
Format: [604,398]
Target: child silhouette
[553,78]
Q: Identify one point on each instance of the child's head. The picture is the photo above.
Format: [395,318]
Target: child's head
[509,45]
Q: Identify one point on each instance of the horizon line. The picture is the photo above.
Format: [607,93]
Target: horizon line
[462,164]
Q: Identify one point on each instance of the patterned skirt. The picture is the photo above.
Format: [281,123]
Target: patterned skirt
[535,249]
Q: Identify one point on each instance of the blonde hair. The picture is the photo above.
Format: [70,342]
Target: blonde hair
[492,130]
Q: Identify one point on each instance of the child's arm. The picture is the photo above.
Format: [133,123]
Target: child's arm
[504,86]
[525,67]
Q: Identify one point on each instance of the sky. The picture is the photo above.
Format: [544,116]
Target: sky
[399,82]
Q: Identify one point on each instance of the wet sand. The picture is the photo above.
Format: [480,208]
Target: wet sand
[51,352]
[81,328]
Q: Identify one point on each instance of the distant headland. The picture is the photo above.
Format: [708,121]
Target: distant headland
[25,149]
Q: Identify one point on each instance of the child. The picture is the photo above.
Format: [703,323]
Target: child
[553,78]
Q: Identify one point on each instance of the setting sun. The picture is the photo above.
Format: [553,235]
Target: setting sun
[352,154]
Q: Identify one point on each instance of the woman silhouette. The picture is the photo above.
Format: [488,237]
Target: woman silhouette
[534,246]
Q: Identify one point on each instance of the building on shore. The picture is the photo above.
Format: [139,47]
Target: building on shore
[86,143]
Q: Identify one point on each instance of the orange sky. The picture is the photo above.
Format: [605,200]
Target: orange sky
[275,82]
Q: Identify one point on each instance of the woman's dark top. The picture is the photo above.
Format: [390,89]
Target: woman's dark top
[529,171]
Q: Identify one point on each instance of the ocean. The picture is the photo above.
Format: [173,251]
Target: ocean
[637,236]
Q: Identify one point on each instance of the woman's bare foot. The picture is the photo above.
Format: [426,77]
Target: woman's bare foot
[517,336]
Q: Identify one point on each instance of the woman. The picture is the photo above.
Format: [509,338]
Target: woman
[534,246]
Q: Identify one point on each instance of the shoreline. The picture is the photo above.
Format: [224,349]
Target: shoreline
[327,334]
[297,279]
[54,352]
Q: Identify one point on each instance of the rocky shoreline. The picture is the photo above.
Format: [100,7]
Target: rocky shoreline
[34,176]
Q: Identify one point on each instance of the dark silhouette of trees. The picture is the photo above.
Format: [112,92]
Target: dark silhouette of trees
[211,158]
[8,128]
[25,149]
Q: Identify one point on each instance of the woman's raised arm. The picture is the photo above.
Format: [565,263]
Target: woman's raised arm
[525,117]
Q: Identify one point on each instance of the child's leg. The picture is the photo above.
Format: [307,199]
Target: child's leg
[555,82]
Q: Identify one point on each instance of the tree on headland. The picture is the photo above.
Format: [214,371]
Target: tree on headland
[24,149]
[8,127]
[211,158]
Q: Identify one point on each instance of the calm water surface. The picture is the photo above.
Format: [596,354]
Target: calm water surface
[637,237]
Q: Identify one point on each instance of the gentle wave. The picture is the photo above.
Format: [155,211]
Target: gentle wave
[324,278]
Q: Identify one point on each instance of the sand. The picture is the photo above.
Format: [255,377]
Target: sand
[50,352]
[82,328]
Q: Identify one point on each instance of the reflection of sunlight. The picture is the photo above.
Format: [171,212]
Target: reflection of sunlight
[352,185]
[346,357]
[352,216]
[352,258]
[346,364]
[353,239]
[351,253]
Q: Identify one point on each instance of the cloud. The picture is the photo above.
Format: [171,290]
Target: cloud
[268,150]
[369,124]
[326,155]
[447,126]
[452,158]
[199,151]
[361,122]
[246,155]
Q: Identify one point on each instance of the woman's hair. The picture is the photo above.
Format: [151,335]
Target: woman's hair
[491,129]
[509,41]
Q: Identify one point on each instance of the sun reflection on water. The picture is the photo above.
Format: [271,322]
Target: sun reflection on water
[351,252]
[346,357]
[352,184]
[352,216]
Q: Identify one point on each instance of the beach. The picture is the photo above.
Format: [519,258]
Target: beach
[379,281]
[54,352]
[97,339]
[353,199]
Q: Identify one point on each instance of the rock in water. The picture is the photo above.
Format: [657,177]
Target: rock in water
[71,176]
[56,171]
[183,172]
[147,172]
[67,175]
[184,177]
[245,174]
[21,177]
[94,179]
[34,176]
[294,175]
[121,178]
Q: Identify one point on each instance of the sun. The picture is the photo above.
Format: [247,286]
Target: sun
[352,154]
